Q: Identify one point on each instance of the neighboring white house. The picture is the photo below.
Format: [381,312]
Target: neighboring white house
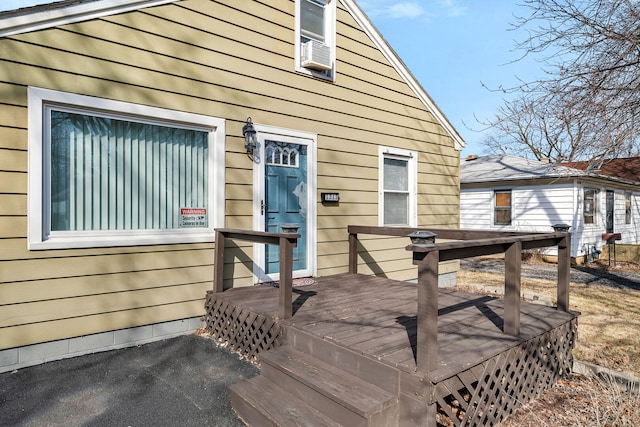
[512,193]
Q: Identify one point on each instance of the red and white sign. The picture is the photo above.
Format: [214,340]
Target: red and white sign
[193,217]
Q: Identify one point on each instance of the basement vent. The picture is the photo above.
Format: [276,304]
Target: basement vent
[316,55]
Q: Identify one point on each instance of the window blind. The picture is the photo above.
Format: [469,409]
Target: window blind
[112,174]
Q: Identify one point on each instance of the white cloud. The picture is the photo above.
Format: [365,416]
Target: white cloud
[452,7]
[405,10]
[411,9]
[393,10]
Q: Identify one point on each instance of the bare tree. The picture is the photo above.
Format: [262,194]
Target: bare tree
[587,105]
[538,129]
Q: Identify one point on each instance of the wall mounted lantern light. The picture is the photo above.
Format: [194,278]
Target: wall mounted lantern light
[249,133]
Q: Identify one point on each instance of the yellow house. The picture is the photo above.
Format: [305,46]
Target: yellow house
[126,139]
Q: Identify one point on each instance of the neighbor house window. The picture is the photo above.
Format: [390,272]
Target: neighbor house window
[502,207]
[397,187]
[590,205]
[120,174]
[627,208]
[315,37]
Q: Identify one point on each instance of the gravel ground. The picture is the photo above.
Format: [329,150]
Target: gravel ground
[582,402]
[621,275]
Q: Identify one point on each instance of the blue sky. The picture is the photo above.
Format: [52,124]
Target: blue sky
[450,46]
[15,4]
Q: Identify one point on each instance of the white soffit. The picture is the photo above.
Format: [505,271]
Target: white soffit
[38,18]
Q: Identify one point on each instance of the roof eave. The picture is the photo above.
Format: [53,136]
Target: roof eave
[38,18]
[587,176]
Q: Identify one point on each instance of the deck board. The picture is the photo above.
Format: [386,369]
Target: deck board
[376,317]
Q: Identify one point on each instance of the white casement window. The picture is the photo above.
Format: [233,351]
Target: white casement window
[397,187]
[627,208]
[502,207]
[315,37]
[590,205]
[109,173]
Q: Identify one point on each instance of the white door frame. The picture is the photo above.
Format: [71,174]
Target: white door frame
[265,132]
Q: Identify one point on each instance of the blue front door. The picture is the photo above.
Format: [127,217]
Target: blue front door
[286,199]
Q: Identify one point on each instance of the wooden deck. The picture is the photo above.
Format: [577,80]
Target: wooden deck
[358,350]
[376,318]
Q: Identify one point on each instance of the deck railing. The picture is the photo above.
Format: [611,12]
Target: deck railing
[285,241]
[462,244]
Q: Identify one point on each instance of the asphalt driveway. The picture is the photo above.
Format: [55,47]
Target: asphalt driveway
[177,382]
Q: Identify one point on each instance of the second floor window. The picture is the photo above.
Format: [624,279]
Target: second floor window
[312,20]
[315,37]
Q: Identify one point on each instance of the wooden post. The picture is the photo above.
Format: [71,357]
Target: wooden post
[353,253]
[427,322]
[218,268]
[512,263]
[564,272]
[286,277]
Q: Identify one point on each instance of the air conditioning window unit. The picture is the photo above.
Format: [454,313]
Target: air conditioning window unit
[316,55]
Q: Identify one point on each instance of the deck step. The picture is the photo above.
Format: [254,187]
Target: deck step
[259,402]
[344,397]
[369,369]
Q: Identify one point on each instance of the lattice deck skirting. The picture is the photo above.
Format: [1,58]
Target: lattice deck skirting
[357,324]
[489,392]
[243,331]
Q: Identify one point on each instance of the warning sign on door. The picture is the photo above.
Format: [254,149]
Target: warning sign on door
[193,217]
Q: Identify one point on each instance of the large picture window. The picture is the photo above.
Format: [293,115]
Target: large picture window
[115,174]
[122,174]
[397,187]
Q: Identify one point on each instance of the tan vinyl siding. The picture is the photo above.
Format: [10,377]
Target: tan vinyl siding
[104,264]
[13,160]
[12,182]
[27,333]
[101,284]
[222,59]
[12,204]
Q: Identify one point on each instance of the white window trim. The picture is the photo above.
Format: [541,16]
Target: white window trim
[596,207]
[264,133]
[38,233]
[330,40]
[493,208]
[412,162]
